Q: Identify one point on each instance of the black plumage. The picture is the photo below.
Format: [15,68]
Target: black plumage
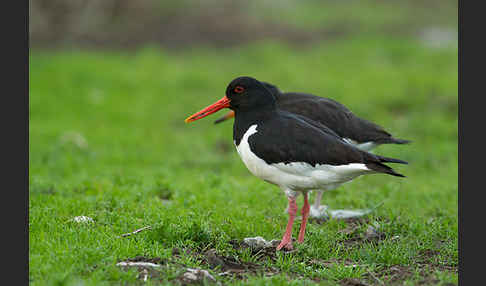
[284,137]
[333,115]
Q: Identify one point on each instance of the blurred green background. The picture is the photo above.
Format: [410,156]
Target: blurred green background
[123,24]
[111,83]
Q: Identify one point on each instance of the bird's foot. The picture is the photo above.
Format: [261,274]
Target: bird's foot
[319,212]
[285,244]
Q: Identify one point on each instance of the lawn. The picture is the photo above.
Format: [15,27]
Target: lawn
[108,141]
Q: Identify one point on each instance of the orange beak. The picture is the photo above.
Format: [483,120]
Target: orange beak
[227,116]
[220,104]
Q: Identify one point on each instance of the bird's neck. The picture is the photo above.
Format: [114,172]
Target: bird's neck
[246,118]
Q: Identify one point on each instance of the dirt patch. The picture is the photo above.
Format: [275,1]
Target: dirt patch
[391,275]
[355,234]
[153,269]
[154,260]
[353,221]
[231,267]
[261,253]
[214,266]
[427,259]
[224,266]
[396,274]
[352,282]
[371,235]
[196,276]
[320,220]
[428,254]
[177,252]
[148,268]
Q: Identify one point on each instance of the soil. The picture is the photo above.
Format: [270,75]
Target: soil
[352,282]
[219,266]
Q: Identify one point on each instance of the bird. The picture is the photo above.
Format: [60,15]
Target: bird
[355,130]
[289,150]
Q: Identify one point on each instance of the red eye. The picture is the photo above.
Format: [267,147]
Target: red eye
[239,89]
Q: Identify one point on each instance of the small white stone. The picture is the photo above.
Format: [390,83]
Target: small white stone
[137,264]
[83,219]
[192,274]
[257,242]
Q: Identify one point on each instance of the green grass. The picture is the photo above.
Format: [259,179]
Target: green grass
[129,108]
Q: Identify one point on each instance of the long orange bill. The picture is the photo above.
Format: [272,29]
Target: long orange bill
[220,104]
[227,116]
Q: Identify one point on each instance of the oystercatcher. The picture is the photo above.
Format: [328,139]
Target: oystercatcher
[291,151]
[360,132]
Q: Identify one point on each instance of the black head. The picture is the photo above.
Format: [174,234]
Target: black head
[272,88]
[242,94]
[246,93]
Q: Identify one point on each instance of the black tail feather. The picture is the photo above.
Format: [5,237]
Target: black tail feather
[379,167]
[390,160]
[382,168]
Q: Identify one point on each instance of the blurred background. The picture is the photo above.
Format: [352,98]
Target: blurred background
[125,24]
[112,81]
[133,70]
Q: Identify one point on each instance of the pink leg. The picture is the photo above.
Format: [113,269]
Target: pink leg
[305,215]
[287,238]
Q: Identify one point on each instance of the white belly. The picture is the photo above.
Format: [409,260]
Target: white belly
[298,176]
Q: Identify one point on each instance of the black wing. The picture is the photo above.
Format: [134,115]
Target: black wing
[335,116]
[318,125]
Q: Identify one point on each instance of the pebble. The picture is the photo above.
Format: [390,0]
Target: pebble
[83,219]
[257,242]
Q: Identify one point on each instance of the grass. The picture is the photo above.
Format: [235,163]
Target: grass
[108,140]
